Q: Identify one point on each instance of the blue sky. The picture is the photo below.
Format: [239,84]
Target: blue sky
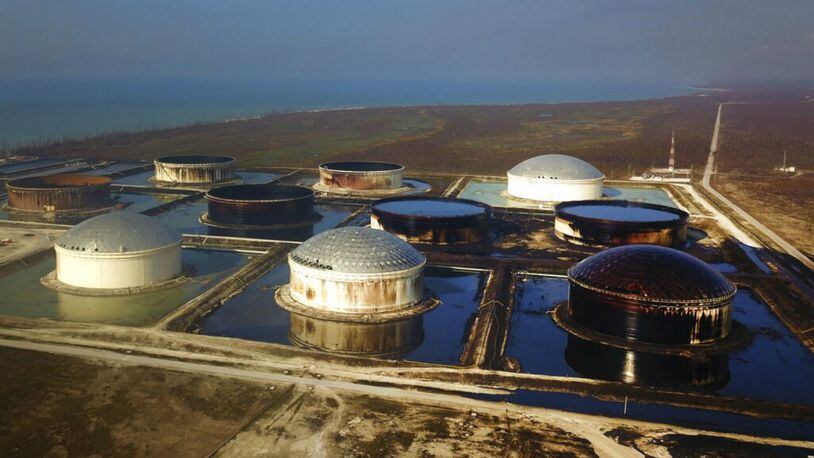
[683,41]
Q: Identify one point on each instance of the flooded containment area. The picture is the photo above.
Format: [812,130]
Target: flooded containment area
[194,169]
[759,370]
[186,217]
[433,220]
[495,193]
[619,222]
[437,336]
[25,296]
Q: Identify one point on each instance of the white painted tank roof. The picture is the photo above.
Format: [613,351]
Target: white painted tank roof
[556,167]
[357,250]
[117,233]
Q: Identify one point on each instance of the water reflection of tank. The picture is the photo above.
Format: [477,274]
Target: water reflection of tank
[605,362]
[196,169]
[619,222]
[435,220]
[116,253]
[261,211]
[388,339]
[361,177]
[354,275]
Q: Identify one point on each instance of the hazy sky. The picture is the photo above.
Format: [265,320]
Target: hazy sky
[686,41]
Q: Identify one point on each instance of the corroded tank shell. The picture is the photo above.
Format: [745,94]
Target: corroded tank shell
[651,294]
[194,169]
[619,222]
[435,220]
[260,205]
[360,176]
[59,193]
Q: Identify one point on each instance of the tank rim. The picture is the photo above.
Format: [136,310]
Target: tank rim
[342,167]
[211,195]
[46,182]
[206,159]
[482,208]
[561,211]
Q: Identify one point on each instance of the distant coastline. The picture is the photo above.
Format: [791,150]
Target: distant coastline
[40,112]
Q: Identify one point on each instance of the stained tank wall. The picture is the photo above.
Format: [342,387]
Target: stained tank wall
[545,190]
[341,175]
[59,192]
[117,270]
[204,172]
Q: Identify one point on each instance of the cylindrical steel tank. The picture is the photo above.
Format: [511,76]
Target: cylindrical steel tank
[194,169]
[435,220]
[118,251]
[388,339]
[360,176]
[355,274]
[652,294]
[605,362]
[260,205]
[619,222]
[555,178]
[53,193]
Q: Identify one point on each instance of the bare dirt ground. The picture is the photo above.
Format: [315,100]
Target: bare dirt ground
[24,242]
[56,405]
[788,213]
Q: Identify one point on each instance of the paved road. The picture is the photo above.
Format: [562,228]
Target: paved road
[768,233]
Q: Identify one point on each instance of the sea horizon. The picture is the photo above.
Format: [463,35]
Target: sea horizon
[43,111]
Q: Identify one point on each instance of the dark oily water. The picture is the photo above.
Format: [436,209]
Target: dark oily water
[621,213]
[775,367]
[429,207]
[254,314]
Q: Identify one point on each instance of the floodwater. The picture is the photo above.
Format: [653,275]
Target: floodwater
[185,217]
[135,202]
[69,168]
[621,213]
[494,193]
[254,315]
[247,177]
[21,293]
[775,367]
[114,168]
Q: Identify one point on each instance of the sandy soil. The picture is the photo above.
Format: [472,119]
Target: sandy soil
[24,242]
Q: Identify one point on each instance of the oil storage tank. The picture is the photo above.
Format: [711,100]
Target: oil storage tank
[555,178]
[195,169]
[649,293]
[619,222]
[434,220]
[261,210]
[56,194]
[116,253]
[361,177]
[356,290]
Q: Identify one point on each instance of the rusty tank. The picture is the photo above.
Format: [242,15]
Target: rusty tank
[195,169]
[56,193]
[261,211]
[602,223]
[653,294]
[360,176]
[432,220]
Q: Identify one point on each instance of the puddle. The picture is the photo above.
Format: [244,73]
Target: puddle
[21,293]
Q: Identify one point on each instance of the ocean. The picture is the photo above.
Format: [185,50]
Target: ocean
[47,110]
